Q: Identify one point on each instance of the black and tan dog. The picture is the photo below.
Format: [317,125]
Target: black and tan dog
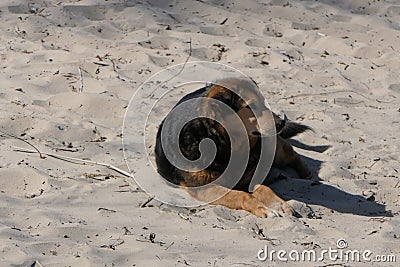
[262,202]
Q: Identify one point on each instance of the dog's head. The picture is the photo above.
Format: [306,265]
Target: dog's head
[243,96]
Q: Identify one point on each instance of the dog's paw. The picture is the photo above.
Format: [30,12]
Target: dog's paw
[264,212]
[270,200]
[273,213]
[260,211]
[282,208]
[257,208]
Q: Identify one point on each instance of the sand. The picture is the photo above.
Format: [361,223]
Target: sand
[333,65]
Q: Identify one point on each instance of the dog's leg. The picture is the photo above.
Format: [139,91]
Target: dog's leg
[271,200]
[286,156]
[233,199]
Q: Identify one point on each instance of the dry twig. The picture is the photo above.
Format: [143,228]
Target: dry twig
[74,160]
[147,202]
[180,71]
[80,79]
[23,140]
[328,93]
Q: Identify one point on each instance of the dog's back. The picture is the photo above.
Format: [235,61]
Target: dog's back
[164,166]
[198,129]
[263,201]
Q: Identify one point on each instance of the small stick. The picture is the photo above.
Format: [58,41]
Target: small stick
[180,71]
[23,140]
[80,79]
[186,61]
[105,209]
[71,159]
[173,242]
[344,76]
[147,202]
[327,93]
[260,232]
[375,161]
[223,22]
[184,217]
[378,219]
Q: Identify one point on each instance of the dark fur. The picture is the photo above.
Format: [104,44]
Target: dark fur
[200,128]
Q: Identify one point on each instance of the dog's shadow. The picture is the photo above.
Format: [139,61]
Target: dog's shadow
[315,192]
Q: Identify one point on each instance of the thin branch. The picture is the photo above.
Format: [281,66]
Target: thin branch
[147,202]
[173,242]
[186,61]
[180,71]
[344,76]
[23,140]
[327,93]
[80,79]
[75,160]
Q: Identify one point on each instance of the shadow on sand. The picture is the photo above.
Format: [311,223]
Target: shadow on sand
[315,192]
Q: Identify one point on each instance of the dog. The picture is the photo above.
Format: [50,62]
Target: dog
[245,101]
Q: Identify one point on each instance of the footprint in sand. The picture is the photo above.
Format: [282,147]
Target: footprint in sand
[273,31]
[303,26]
[213,53]
[161,61]
[218,31]
[395,88]
[94,13]
[393,12]
[255,42]
[104,30]
[157,42]
[23,9]
[22,182]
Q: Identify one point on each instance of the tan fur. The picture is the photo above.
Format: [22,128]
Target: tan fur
[263,202]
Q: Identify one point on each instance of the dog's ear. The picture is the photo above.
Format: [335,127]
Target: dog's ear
[226,96]
[218,92]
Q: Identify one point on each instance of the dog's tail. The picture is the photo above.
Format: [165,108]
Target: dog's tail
[291,129]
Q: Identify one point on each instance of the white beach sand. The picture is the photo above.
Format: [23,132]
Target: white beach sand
[332,65]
